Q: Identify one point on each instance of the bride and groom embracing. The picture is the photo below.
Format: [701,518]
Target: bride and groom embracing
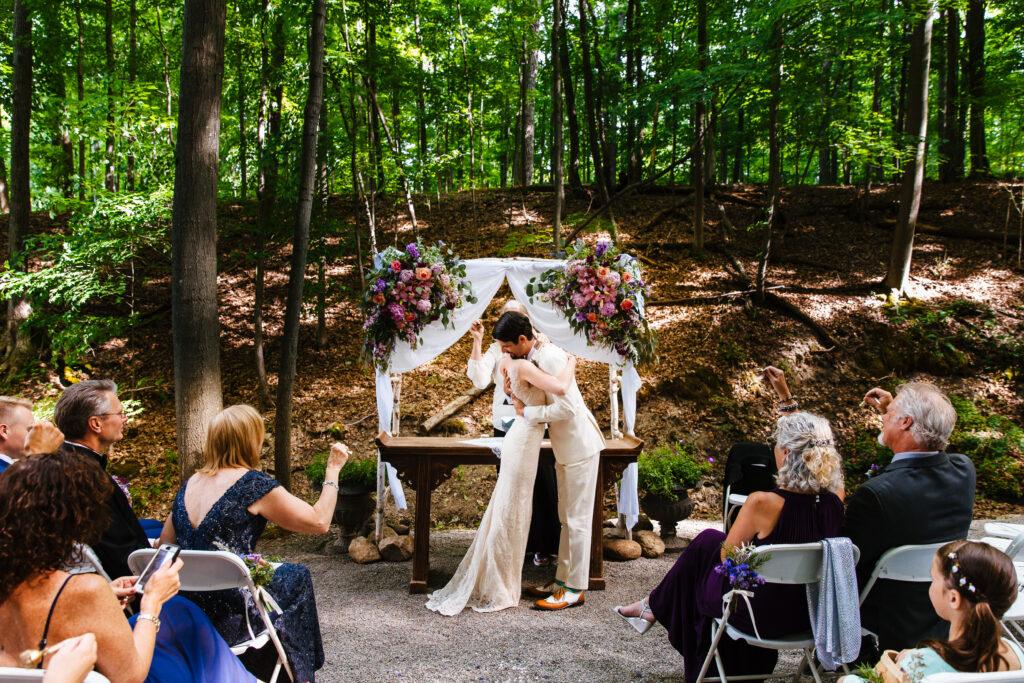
[540,379]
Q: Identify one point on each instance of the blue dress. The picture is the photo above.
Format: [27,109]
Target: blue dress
[188,649]
[229,523]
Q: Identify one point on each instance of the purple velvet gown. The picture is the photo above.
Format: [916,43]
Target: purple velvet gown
[691,593]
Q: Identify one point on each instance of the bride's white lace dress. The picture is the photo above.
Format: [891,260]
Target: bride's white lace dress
[489,578]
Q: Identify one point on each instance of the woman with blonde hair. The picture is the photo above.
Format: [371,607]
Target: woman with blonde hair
[226,505]
[805,506]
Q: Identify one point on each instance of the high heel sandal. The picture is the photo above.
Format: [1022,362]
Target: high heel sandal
[639,623]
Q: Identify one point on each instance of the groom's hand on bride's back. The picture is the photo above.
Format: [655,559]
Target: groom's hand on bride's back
[518,405]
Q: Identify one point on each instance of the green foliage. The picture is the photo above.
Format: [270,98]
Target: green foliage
[83,292]
[669,465]
[522,242]
[360,473]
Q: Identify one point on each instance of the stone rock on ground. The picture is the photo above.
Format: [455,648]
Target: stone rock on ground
[396,548]
[650,543]
[402,529]
[387,532]
[621,549]
[363,550]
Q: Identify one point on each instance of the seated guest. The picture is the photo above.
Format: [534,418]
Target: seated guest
[924,495]
[973,584]
[803,508]
[482,369]
[226,505]
[15,422]
[92,419]
[170,640]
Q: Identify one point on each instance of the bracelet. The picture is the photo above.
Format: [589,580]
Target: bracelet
[786,400]
[150,617]
[334,484]
[790,408]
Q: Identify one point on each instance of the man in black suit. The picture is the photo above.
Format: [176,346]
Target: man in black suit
[924,495]
[92,419]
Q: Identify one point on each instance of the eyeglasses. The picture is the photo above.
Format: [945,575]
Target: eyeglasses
[120,414]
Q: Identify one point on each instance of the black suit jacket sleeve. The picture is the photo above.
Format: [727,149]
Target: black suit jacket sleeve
[863,524]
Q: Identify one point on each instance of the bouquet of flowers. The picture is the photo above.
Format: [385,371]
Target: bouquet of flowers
[407,291]
[741,565]
[260,569]
[601,292]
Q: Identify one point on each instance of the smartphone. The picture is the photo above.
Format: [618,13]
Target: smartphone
[165,555]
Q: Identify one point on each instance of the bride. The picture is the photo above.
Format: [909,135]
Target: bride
[489,578]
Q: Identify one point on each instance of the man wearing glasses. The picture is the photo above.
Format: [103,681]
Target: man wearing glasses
[92,419]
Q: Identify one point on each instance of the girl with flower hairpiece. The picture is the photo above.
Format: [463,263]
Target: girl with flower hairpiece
[973,584]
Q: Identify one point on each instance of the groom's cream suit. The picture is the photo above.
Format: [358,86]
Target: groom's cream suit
[577,443]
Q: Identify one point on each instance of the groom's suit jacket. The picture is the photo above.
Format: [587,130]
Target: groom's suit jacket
[575,434]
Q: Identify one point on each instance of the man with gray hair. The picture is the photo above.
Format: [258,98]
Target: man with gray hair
[924,495]
[92,419]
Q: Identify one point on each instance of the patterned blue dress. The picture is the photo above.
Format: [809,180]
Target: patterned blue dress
[229,523]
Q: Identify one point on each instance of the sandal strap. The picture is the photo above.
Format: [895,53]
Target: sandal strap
[644,607]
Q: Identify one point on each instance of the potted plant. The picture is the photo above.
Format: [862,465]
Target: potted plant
[356,482]
[665,475]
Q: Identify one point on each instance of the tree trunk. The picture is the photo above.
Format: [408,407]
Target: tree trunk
[951,149]
[737,155]
[133,17]
[5,202]
[556,123]
[197,386]
[528,116]
[592,107]
[976,84]
[167,69]
[242,140]
[421,108]
[698,129]
[570,107]
[322,197]
[297,275]
[18,308]
[110,176]
[51,73]
[913,176]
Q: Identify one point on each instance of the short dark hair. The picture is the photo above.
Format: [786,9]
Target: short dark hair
[38,536]
[511,326]
[78,403]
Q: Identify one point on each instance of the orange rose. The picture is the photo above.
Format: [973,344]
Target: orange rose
[592,317]
[423,273]
[409,317]
[626,304]
[602,325]
[378,299]
[400,325]
[602,272]
[626,277]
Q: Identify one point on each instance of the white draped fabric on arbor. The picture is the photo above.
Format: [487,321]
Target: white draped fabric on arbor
[487,275]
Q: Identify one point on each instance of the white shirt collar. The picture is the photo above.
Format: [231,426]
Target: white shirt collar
[6,458]
[907,455]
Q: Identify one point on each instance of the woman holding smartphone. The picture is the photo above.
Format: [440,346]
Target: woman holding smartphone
[169,640]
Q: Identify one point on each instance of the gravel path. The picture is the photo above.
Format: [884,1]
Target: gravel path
[374,630]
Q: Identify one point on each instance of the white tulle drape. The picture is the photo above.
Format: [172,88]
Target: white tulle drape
[487,275]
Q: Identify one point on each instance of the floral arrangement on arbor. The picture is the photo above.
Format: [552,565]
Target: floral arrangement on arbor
[601,292]
[407,291]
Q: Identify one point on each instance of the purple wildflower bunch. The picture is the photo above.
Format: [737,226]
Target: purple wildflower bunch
[409,290]
[601,292]
[741,565]
[260,568]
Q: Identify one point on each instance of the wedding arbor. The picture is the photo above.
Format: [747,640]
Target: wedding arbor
[487,276]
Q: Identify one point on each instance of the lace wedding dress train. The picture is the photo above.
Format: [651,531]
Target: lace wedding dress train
[490,576]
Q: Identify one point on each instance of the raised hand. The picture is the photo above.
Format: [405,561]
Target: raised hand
[476,330]
[879,399]
[43,437]
[777,379]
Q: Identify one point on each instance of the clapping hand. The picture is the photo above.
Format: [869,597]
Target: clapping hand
[43,437]
[336,460]
[476,330]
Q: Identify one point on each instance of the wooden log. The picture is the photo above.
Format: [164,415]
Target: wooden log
[791,309]
[955,233]
[450,409]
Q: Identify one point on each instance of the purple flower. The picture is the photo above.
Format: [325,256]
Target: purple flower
[600,249]
[608,309]
[581,317]
[412,251]
[579,300]
[397,312]
[436,268]
[380,286]
[405,275]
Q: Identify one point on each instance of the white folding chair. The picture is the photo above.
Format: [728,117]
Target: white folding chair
[992,677]
[214,570]
[792,563]
[1004,529]
[910,563]
[84,561]
[1014,547]
[732,503]
[1013,619]
[12,675]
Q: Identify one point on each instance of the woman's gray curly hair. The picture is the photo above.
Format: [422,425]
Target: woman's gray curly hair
[812,464]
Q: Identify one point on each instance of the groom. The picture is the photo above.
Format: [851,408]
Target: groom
[577,443]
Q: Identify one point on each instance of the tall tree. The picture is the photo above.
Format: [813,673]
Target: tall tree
[110,175]
[527,101]
[913,174]
[556,122]
[300,246]
[976,83]
[133,68]
[197,385]
[698,129]
[18,308]
[951,148]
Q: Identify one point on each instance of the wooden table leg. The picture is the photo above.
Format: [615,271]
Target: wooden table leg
[597,535]
[421,540]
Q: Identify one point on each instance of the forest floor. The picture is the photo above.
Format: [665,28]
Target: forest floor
[705,387]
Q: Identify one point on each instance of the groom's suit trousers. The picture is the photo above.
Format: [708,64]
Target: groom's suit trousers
[576,489]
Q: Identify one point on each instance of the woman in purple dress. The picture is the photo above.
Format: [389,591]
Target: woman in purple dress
[805,507]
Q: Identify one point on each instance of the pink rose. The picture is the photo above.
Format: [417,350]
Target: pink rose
[626,277]
[396,266]
[602,272]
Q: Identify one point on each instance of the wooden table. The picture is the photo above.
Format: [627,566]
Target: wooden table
[425,462]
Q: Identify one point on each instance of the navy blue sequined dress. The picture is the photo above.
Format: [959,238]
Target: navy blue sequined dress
[231,524]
